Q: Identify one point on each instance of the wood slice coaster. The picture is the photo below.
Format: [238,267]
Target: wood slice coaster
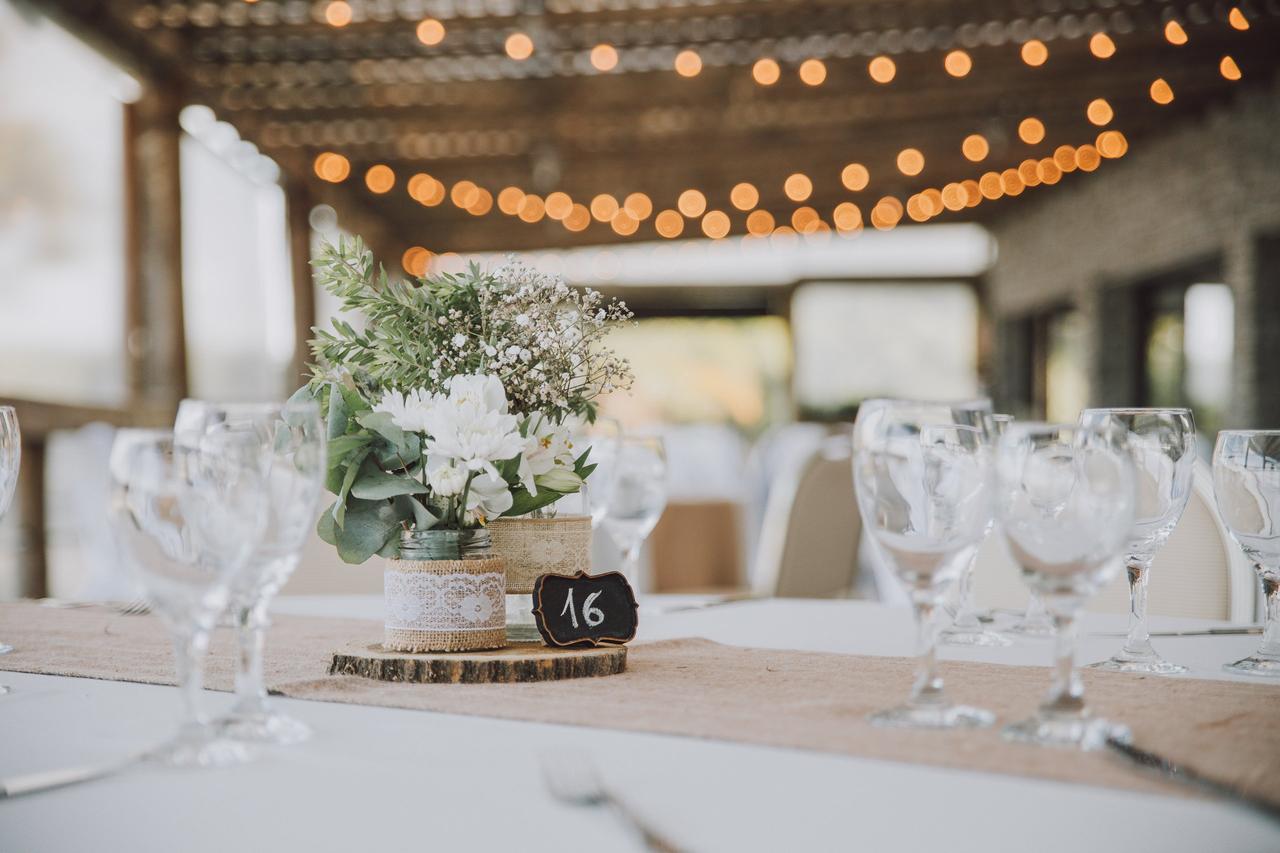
[517,662]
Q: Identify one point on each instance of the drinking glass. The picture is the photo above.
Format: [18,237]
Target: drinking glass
[1036,621]
[924,493]
[637,496]
[966,629]
[188,519]
[1246,487]
[10,460]
[289,439]
[1163,445]
[1065,500]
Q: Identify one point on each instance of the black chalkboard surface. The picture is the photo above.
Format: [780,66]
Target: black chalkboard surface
[584,610]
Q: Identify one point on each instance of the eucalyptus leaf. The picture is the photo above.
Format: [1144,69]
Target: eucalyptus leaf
[412,509]
[372,483]
[338,415]
[340,507]
[326,529]
[370,525]
[303,395]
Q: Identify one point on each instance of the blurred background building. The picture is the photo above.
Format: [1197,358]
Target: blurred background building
[807,203]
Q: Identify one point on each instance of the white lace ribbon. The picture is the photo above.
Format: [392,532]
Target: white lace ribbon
[422,601]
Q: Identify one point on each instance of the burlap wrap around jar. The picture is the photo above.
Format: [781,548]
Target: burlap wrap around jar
[444,605]
[541,546]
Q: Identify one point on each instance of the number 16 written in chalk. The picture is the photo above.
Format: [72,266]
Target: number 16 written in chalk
[593,615]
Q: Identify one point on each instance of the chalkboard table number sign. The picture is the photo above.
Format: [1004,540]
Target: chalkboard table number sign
[585,610]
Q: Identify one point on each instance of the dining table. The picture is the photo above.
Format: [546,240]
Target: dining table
[386,779]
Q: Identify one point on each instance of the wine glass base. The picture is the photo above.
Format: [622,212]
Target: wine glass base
[1255,665]
[978,637]
[1085,733]
[210,750]
[5,648]
[1150,666]
[268,727]
[933,717]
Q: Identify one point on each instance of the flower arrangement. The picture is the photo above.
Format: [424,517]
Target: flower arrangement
[456,402]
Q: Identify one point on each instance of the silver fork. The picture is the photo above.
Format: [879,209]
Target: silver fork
[572,779]
[136,607]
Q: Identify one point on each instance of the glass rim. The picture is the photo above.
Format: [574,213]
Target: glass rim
[1138,410]
[1263,432]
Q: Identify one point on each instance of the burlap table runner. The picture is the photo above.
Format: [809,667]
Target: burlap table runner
[698,688]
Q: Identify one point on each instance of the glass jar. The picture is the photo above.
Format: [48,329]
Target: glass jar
[470,544]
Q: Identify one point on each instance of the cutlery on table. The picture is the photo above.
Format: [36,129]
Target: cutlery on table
[1202,632]
[136,607]
[573,779]
[1181,773]
[48,780]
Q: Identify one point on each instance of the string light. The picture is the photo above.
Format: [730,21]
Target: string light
[715,224]
[483,202]
[1088,158]
[691,203]
[668,224]
[975,147]
[1065,157]
[744,196]
[882,69]
[509,199]
[430,32]
[1237,19]
[1034,53]
[813,72]
[1048,171]
[578,219]
[1174,33]
[847,217]
[1161,91]
[887,213]
[558,206]
[953,197]
[804,219]
[604,57]
[688,63]
[603,207]
[464,194]
[624,224]
[798,187]
[532,208]
[910,161]
[989,185]
[957,63]
[1099,112]
[759,223]
[1228,68]
[519,46]
[1011,182]
[766,72]
[379,179]
[331,167]
[1031,130]
[1112,144]
[1029,173]
[338,14]
[415,260]
[1101,46]
[638,206]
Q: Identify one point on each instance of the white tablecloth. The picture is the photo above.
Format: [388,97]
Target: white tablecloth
[382,780]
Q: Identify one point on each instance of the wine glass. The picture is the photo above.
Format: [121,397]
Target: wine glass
[290,440]
[1035,622]
[924,493]
[188,518]
[1065,500]
[601,439]
[10,460]
[1246,487]
[966,629]
[1163,445]
[637,496]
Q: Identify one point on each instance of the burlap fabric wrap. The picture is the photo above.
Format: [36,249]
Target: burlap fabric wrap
[541,546]
[444,605]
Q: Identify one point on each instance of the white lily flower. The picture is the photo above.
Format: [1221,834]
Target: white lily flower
[489,495]
[547,446]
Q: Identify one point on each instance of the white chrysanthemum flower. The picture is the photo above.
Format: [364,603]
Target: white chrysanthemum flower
[471,424]
[445,479]
[408,411]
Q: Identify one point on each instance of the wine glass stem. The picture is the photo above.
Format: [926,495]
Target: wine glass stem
[189,648]
[251,691]
[1035,609]
[631,564]
[927,689]
[1271,633]
[1066,695]
[1138,641]
[966,619]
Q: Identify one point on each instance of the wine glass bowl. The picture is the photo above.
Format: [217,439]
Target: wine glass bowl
[637,484]
[1246,487]
[1065,503]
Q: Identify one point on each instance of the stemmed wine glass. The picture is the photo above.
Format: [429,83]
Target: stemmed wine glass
[290,440]
[10,460]
[1036,621]
[923,490]
[188,518]
[637,483]
[966,629]
[1246,487]
[1065,502]
[1162,442]
[601,440]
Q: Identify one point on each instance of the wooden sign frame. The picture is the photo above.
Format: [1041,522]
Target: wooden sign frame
[548,635]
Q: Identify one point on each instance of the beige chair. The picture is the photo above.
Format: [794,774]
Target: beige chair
[809,540]
[1200,572]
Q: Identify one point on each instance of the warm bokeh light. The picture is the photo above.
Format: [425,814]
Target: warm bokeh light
[1228,68]
[464,194]
[715,224]
[337,14]
[1174,32]
[744,196]
[804,219]
[638,206]
[519,46]
[953,197]
[332,167]
[1237,19]
[972,193]
[578,219]
[846,216]
[688,63]
[766,72]
[379,179]
[917,208]
[1161,91]
[1111,144]
[855,177]
[668,224]
[604,57]
[603,207]
[759,223]
[430,192]
[1034,53]
[975,147]
[559,205]
[798,187]
[887,213]
[624,224]
[1088,158]
[989,185]
[957,63]
[483,203]
[1065,157]
[691,203]
[430,31]
[421,187]
[882,69]
[532,208]
[415,260]
[1011,182]
[1099,111]
[932,200]
[509,199]
[1029,171]
[910,161]
[1101,46]
[1048,171]
[1031,130]
[813,72]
